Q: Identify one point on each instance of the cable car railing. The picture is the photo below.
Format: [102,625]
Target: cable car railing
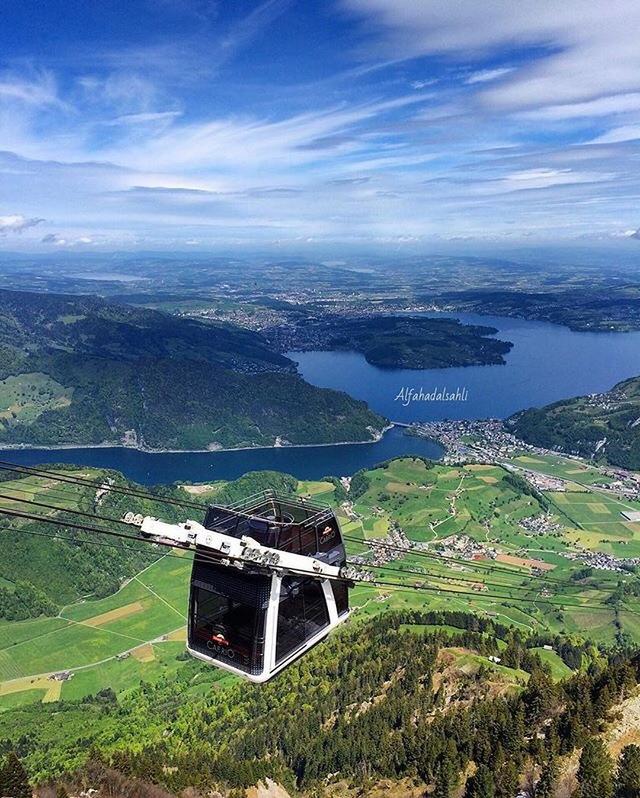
[287,523]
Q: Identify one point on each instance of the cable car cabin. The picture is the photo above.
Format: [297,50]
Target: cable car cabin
[256,622]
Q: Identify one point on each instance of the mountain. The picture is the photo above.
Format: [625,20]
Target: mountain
[424,703]
[80,370]
[603,426]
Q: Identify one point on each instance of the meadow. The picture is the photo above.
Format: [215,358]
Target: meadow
[524,580]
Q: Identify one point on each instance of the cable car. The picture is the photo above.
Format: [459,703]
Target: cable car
[269,581]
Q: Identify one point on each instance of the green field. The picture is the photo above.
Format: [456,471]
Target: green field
[562,467]
[118,640]
[558,668]
[25,397]
[89,635]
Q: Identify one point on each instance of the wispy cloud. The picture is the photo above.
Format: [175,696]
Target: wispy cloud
[393,121]
[16,223]
[487,75]
[38,89]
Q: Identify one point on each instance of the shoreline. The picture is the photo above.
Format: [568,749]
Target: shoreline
[65,446]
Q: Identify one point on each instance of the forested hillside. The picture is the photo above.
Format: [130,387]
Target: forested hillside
[604,426]
[381,700]
[46,565]
[81,370]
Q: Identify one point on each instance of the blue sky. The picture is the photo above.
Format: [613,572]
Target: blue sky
[195,124]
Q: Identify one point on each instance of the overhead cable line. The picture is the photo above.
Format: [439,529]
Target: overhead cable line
[199,557]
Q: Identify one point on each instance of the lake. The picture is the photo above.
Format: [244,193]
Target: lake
[546,363]
[304,462]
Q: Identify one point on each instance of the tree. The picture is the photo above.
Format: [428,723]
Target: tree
[14,782]
[447,775]
[481,784]
[547,780]
[628,775]
[595,772]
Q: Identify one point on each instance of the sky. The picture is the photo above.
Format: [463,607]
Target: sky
[381,124]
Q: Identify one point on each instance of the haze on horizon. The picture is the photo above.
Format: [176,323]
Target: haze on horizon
[195,124]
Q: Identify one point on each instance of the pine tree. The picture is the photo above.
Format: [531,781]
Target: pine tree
[595,773]
[446,778]
[481,784]
[628,776]
[547,780]
[14,782]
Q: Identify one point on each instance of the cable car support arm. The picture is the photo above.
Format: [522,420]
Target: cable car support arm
[244,551]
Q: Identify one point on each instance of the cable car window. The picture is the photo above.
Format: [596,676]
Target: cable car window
[228,630]
[308,540]
[341,596]
[289,539]
[302,614]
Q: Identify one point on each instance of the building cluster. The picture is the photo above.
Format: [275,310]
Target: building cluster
[544,482]
[542,524]
[464,547]
[468,440]
[604,562]
[394,546]
[251,317]
[625,484]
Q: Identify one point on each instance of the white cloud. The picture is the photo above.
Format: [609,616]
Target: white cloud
[423,84]
[487,75]
[37,90]
[618,135]
[592,50]
[16,223]
[603,106]
[60,241]
[150,117]
[246,143]
[544,178]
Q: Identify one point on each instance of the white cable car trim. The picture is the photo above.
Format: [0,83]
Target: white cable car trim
[244,549]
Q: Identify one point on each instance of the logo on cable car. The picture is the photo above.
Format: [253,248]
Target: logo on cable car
[328,533]
[221,648]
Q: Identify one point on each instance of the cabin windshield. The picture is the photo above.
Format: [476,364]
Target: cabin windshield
[228,619]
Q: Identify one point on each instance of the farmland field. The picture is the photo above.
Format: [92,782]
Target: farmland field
[519,578]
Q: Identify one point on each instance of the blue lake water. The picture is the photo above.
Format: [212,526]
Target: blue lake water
[546,363]
[305,462]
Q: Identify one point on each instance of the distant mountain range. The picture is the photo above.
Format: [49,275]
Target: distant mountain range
[80,370]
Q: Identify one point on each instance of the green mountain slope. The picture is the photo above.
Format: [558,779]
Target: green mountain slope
[81,370]
[378,701]
[605,426]
[47,566]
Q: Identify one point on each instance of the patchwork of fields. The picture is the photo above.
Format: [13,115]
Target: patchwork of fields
[522,578]
[134,634]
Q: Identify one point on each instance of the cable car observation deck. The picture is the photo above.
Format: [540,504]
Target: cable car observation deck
[269,581]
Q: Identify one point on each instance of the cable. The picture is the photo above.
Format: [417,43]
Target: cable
[199,557]
[153,497]
[441,577]
[82,513]
[56,475]
[4,465]
[494,584]
[185,503]
[443,558]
